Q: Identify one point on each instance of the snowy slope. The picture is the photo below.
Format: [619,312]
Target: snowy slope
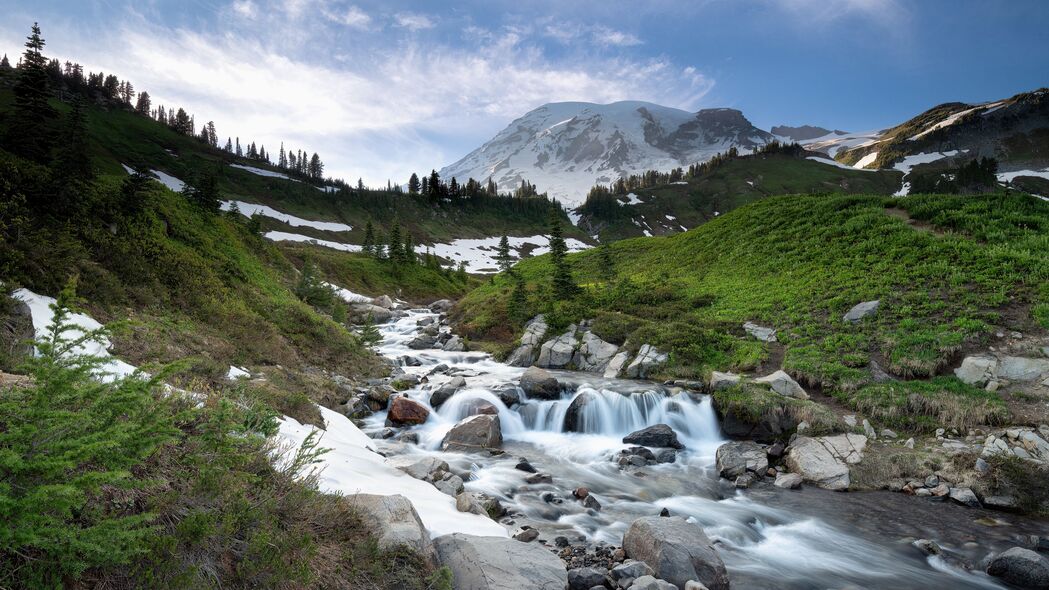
[565,148]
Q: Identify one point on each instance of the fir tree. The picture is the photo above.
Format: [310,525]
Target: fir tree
[503,256]
[409,248]
[368,333]
[395,252]
[517,307]
[240,153]
[72,166]
[4,63]
[606,265]
[413,184]
[142,106]
[205,194]
[229,145]
[563,283]
[368,247]
[28,133]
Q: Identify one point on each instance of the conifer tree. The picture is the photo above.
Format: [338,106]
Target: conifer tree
[205,194]
[503,256]
[368,333]
[240,153]
[229,145]
[413,184]
[282,158]
[28,132]
[368,247]
[142,106]
[563,283]
[4,63]
[394,252]
[606,265]
[517,307]
[409,248]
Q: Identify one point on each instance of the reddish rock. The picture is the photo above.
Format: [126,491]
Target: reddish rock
[404,411]
[581,493]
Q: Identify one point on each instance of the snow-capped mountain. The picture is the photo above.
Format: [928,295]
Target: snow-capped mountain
[566,148]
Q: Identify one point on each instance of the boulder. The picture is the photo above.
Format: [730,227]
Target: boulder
[448,483]
[825,461]
[760,332]
[384,302]
[719,380]
[593,354]
[394,522]
[630,570]
[474,433]
[651,583]
[454,344]
[441,306]
[788,481]
[559,352]
[615,366]
[424,468]
[585,578]
[508,394]
[540,384]
[526,535]
[498,563]
[468,502]
[977,370]
[676,550]
[575,418]
[735,458]
[783,384]
[658,435]
[965,497]
[862,310]
[423,341]
[524,354]
[1021,567]
[1018,368]
[406,412]
[446,391]
[647,360]
[364,312]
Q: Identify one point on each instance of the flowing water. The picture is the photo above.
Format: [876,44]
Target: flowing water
[768,537]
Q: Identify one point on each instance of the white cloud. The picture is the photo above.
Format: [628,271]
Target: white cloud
[244,8]
[607,36]
[365,113]
[413,21]
[351,17]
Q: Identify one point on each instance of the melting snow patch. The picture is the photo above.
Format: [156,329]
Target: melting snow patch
[478,254]
[679,182]
[169,181]
[237,373]
[632,200]
[128,169]
[834,163]
[349,296]
[261,172]
[353,467]
[280,236]
[249,209]
[1010,176]
[866,160]
[574,216]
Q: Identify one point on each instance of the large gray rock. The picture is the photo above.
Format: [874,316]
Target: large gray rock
[825,461]
[760,332]
[593,354]
[676,550]
[394,522]
[1021,567]
[615,366]
[446,391]
[862,310]
[524,355]
[657,435]
[468,502]
[454,344]
[423,341]
[719,380]
[362,312]
[474,433]
[783,384]
[647,360]
[384,302]
[1018,368]
[441,305]
[575,417]
[420,468]
[16,331]
[735,458]
[498,563]
[538,383]
[977,370]
[559,352]
[651,583]
[585,578]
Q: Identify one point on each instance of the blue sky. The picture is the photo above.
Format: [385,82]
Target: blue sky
[382,89]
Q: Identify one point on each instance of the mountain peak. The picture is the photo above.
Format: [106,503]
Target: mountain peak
[565,148]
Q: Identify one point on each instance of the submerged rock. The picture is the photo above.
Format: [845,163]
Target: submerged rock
[497,563]
[1021,567]
[446,391]
[574,416]
[658,435]
[676,550]
[540,384]
[478,432]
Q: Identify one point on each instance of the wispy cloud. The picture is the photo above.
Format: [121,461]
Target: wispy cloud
[569,32]
[608,36]
[413,21]
[351,17]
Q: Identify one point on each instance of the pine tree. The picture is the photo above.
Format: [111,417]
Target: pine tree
[394,251]
[503,256]
[517,306]
[143,104]
[282,158]
[409,248]
[413,184]
[229,145]
[368,333]
[4,63]
[240,153]
[434,186]
[67,436]
[213,137]
[72,166]
[368,247]
[28,132]
[205,194]
[563,284]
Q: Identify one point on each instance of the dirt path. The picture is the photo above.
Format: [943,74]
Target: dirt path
[902,215]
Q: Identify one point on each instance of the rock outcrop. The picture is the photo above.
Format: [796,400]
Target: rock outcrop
[862,310]
[559,352]
[497,563]
[825,461]
[760,332]
[593,354]
[525,354]
[615,366]
[676,550]
[735,458]
[394,521]
[647,360]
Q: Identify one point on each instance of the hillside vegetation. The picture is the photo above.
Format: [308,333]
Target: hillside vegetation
[963,266]
[692,201]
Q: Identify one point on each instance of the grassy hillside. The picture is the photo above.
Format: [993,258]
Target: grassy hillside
[963,266]
[731,185]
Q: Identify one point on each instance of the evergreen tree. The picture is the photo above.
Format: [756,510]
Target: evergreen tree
[28,132]
[205,194]
[229,145]
[563,283]
[517,306]
[213,137]
[72,166]
[394,251]
[282,158]
[409,248]
[255,224]
[142,106]
[4,63]
[460,272]
[368,333]
[316,168]
[368,247]
[434,186]
[424,186]
[66,438]
[606,265]
[413,184]
[239,152]
[503,256]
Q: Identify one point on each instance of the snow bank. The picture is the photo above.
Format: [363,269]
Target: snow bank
[261,172]
[834,163]
[349,296]
[40,308]
[249,209]
[632,199]
[168,180]
[353,467]
[866,160]
[280,236]
[236,373]
[1010,176]
[478,254]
